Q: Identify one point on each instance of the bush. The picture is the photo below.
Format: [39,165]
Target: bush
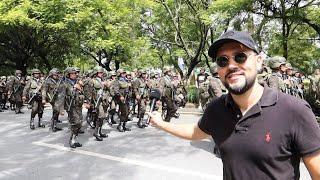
[193,95]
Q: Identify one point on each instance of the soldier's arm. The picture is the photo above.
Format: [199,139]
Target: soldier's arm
[185,131]
[26,89]
[44,90]
[215,86]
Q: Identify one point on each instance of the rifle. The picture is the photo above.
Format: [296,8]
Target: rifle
[73,95]
[37,91]
[100,95]
[56,89]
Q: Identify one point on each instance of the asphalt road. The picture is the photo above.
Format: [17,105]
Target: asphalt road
[136,155]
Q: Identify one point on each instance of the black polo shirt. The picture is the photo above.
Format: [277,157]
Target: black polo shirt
[268,141]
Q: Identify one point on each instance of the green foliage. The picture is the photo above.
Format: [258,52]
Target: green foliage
[148,33]
[193,94]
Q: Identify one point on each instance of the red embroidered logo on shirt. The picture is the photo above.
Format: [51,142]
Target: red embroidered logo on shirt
[268,137]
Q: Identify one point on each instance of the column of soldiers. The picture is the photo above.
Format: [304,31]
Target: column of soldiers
[115,96]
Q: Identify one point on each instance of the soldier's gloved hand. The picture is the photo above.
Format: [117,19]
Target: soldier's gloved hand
[155,118]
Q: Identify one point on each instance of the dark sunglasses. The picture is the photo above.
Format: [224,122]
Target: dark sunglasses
[240,58]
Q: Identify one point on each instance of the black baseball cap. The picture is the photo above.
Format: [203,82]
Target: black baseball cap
[241,37]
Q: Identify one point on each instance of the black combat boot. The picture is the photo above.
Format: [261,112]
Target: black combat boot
[125,128]
[72,141]
[32,123]
[119,127]
[40,124]
[54,126]
[102,134]
[81,131]
[96,135]
[141,124]
[112,121]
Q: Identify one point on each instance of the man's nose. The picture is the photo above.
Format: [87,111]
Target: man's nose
[232,63]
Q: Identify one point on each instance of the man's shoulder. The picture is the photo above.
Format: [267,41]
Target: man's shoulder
[218,103]
[292,103]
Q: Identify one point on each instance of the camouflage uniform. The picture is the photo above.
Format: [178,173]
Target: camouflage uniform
[74,100]
[16,86]
[120,91]
[52,93]
[203,87]
[3,92]
[276,79]
[167,89]
[112,103]
[33,90]
[216,88]
[140,89]
[99,101]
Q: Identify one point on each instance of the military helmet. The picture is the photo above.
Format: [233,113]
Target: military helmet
[77,69]
[152,74]
[276,61]
[143,71]
[35,71]
[98,69]
[213,68]
[70,70]
[289,66]
[120,71]
[18,71]
[166,69]
[112,73]
[54,71]
[3,77]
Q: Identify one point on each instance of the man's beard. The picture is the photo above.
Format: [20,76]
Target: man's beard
[241,88]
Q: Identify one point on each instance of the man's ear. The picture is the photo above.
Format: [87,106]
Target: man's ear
[259,63]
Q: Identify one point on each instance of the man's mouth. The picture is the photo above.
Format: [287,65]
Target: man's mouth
[233,75]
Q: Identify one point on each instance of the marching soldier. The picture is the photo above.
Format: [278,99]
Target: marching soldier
[140,89]
[74,100]
[120,90]
[99,101]
[180,91]
[167,88]
[15,91]
[3,93]
[276,80]
[33,90]
[112,102]
[52,93]
[216,88]
[203,86]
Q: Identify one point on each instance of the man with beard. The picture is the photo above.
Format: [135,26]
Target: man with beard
[264,130]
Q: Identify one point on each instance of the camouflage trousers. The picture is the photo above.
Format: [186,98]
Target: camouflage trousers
[142,105]
[171,108]
[123,111]
[75,119]
[37,108]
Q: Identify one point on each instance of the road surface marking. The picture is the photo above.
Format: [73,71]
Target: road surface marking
[130,161]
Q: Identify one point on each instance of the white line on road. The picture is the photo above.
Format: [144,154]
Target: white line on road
[130,161]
